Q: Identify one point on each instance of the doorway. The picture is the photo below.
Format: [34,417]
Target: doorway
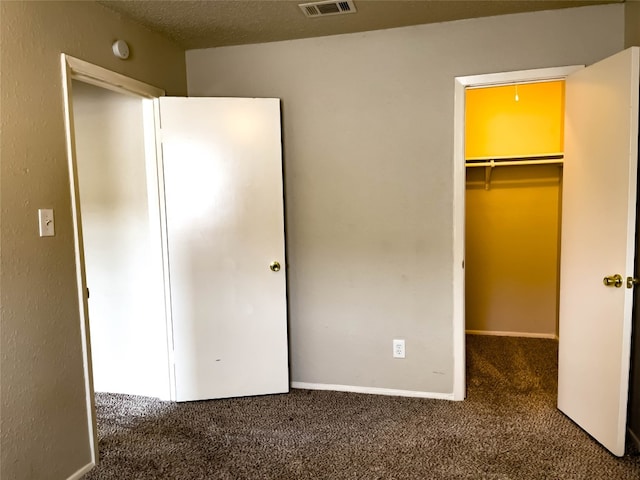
[514,149]
[123,259]
[459,185]
[215,218]
[598,240]
[76,70]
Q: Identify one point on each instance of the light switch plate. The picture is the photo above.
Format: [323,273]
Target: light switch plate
[45,220]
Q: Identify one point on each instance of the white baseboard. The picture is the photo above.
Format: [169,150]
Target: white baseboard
[552,336]
[372,390]
[80,473]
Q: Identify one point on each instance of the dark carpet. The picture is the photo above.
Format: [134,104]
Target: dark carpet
[508,428]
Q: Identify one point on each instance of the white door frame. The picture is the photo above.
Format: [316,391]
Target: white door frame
[76,69]
[461,84]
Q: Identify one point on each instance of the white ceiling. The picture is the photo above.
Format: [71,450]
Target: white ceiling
[212,23]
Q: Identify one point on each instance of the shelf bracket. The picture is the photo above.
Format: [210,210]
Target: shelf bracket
[487,174]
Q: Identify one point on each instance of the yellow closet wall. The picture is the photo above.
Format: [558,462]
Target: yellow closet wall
[499,126]
[512,229]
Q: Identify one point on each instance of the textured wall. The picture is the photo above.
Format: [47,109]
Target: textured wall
[368,140]
[44,417]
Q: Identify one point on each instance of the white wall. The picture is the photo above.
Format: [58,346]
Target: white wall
[123,265]
[368,137]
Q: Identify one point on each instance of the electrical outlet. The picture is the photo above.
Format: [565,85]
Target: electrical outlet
[398,348]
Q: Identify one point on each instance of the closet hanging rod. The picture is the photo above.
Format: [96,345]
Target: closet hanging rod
[493,163]
[490,164]
[544,156]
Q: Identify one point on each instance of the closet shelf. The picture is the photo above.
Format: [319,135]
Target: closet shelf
[489,163]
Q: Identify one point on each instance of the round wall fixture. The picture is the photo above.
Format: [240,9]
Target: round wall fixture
[120,49]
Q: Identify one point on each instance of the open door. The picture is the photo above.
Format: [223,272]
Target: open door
[598,246]
[222,169]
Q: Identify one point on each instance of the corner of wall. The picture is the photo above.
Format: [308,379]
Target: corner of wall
[631,24]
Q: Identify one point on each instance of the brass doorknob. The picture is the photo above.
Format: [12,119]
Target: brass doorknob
[613,280]
[275,266]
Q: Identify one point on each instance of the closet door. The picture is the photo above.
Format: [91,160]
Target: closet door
[598,241]
[222,166]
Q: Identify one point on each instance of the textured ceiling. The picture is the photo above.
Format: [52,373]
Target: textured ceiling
[213,23]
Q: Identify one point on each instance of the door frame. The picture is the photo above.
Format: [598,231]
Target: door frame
[76,69]
[459,195]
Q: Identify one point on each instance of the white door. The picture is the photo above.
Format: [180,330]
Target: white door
[225,228]
[598,240]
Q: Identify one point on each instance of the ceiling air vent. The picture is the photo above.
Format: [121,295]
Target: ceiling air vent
[322,9]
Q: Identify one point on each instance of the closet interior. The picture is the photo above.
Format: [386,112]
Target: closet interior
[513,153]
